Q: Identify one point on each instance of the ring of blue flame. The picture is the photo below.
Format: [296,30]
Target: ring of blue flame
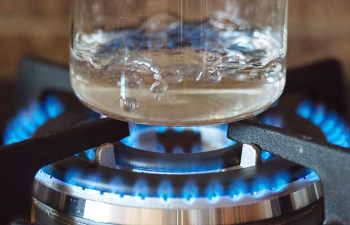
[28,120]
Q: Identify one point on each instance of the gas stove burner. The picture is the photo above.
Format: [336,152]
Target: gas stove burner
[175,174]
[245,195]
[88,169]
[198,185]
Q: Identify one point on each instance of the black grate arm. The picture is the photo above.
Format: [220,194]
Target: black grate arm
[330,162]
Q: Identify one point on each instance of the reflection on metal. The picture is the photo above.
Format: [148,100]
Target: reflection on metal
[105,156]
[104,208]
[251,155]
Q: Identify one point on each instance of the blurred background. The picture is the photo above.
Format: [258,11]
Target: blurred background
[40,28]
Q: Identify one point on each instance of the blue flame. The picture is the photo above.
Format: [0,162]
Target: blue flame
[38,114]
[90,154]
[53,106]
[266,156]
[196,148]
[305,109]
[313,176]
[190,191]
[77,178]
[94,180]
[160,148]
[141,189]
[237,189]
[72,177]
[116,184]
[161,129]
[331,124]
[178,150]
[145,137]
[260,187]
[127,141]
[165,190]
[280,182]
[214,190]
[273,120]
[28,120]
[179,129]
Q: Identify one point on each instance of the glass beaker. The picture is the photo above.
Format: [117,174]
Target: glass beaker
[178,62]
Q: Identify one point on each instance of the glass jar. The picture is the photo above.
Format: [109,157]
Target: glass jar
[178,62]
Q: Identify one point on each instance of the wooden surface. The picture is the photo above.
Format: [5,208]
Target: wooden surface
[32,27]
[318,29]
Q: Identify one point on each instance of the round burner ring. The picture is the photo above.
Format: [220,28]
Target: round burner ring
[296,200]
[79,188]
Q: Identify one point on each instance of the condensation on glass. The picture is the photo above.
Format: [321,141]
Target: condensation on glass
[178,62]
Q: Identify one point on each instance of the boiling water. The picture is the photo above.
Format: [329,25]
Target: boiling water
[179,74]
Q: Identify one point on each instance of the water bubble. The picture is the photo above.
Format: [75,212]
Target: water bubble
[255,62]
[130,79]
[232,62]
[209,75]
[143,65]
[211,58]
[102,61]
[141,68]
[274,68]
[273,72]
[170,75]
[233,57]
[159,87]
[241,77]
[190,70]
[242,44]
[129,104]
[254,74]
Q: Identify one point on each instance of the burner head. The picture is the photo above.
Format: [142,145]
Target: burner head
[160,185]
[91,191]
[203,178]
